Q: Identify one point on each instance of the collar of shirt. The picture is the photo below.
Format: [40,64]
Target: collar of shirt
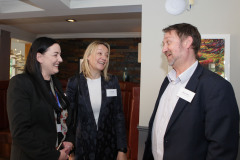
[185,76]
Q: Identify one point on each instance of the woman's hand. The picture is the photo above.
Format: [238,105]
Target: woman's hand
[63,155]
[68,146]
[121,156]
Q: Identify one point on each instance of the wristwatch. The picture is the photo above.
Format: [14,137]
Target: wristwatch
[124,150]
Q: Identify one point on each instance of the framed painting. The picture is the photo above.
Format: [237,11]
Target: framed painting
[79,65]
[214,54]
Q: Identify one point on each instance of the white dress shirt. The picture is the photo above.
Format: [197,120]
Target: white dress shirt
[165,109]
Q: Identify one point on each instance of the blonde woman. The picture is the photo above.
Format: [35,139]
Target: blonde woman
[96,97]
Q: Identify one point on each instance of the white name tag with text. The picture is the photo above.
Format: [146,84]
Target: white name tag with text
[59,128]
[111,92]
[186,94]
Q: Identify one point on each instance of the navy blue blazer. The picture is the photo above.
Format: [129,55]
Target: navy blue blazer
[92,143]
[205,129]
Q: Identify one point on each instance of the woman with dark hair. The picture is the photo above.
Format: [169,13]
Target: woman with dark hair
[37,106]
[96,97]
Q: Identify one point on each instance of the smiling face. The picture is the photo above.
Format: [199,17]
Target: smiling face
[98,59]
[50,60]
[173,49]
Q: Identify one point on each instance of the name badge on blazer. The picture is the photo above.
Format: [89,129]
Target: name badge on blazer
[186,94]
[111,92]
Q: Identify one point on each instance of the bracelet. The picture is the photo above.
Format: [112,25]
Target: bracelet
[124,150]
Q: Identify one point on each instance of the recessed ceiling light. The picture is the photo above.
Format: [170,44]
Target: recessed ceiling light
[71,20]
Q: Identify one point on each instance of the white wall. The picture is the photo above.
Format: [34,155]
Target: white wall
[210,16]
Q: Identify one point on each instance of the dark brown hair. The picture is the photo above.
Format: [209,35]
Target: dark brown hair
[184,30]
[40,45]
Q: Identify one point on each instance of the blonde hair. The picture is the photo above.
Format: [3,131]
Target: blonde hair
[91,50]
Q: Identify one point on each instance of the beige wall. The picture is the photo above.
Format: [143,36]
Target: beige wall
[210,16]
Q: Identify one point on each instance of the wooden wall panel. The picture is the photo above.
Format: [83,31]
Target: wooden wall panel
[3,105]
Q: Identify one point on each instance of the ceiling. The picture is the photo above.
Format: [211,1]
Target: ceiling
[48,17]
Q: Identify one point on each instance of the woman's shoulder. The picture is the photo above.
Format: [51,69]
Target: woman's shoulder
[73,78]
[112,77]
[112,80]
[20,78]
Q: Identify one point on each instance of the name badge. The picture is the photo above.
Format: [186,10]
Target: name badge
[59,128]
[111,92]
[186,94]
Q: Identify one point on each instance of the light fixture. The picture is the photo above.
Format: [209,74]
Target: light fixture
[175,7]
[71,20]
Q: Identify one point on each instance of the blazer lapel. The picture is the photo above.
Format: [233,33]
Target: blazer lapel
[104,98]
[43,91]
[83,87]
[181,104]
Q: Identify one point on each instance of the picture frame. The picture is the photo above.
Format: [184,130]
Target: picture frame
[214,53]
[139,52]
[79,65]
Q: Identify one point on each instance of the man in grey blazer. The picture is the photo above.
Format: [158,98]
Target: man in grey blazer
[196,115]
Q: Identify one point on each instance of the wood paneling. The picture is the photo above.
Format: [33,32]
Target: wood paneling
[124,53]
[5,138]
[3,105]
[5,44]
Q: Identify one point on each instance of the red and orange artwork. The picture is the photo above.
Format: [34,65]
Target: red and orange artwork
[211,55]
